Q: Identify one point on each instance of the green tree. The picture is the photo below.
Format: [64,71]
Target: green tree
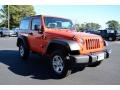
[88,26]
[112,24]
[92,26]
[16,12]
[80,27]
[119,27]
[4,16]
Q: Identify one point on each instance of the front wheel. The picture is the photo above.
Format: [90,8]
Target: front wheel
[59,65]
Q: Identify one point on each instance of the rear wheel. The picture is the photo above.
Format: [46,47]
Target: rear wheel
[59,65]
[111,38]
[23,51]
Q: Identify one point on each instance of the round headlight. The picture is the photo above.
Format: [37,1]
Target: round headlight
[80,40]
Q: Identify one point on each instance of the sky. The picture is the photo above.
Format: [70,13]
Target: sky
[83,13]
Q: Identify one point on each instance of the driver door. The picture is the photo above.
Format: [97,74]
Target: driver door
[36,38]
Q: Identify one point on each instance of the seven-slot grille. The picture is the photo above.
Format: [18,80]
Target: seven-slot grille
[92,44]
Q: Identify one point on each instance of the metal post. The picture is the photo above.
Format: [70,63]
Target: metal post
[8,19]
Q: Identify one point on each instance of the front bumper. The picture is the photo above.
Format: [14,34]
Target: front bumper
[91,58]
[13,34]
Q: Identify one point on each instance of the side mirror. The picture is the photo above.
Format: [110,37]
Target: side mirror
[42,29]
[39,28]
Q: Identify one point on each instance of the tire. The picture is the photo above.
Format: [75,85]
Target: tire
[16,34]
[95,64]
[111,38]
[23,51]
[59,65]
[114,38]
[1,35]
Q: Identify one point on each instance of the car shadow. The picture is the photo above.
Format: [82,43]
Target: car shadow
[36,66]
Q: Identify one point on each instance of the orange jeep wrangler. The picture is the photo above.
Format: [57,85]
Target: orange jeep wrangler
[57,39]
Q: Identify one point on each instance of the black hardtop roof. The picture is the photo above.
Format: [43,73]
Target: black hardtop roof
[28,17]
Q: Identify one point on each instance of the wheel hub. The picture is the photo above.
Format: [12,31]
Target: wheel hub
[58,64]
[21,50]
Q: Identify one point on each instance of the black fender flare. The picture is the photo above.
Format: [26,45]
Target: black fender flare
[23,39]
[70,44]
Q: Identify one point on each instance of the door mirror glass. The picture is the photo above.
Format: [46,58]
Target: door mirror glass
[36,24]
[41,30]
[37,27]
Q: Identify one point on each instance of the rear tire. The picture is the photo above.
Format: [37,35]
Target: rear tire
[23,51]
[111,38]
[59,65]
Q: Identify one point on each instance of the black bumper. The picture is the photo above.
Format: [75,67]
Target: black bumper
[91,58]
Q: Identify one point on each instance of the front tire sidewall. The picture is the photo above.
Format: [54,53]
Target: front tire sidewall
[65,71]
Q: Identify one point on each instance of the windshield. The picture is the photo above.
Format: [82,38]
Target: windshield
[52,22]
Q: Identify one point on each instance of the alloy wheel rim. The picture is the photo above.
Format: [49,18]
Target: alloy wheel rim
[58,64]
[21,50]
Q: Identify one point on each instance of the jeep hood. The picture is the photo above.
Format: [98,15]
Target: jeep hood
[86,35]
[71,34]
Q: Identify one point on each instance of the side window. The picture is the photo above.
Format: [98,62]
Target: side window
[24,25]
[36,24]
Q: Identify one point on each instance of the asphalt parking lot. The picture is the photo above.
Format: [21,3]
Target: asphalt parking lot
[35,71]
